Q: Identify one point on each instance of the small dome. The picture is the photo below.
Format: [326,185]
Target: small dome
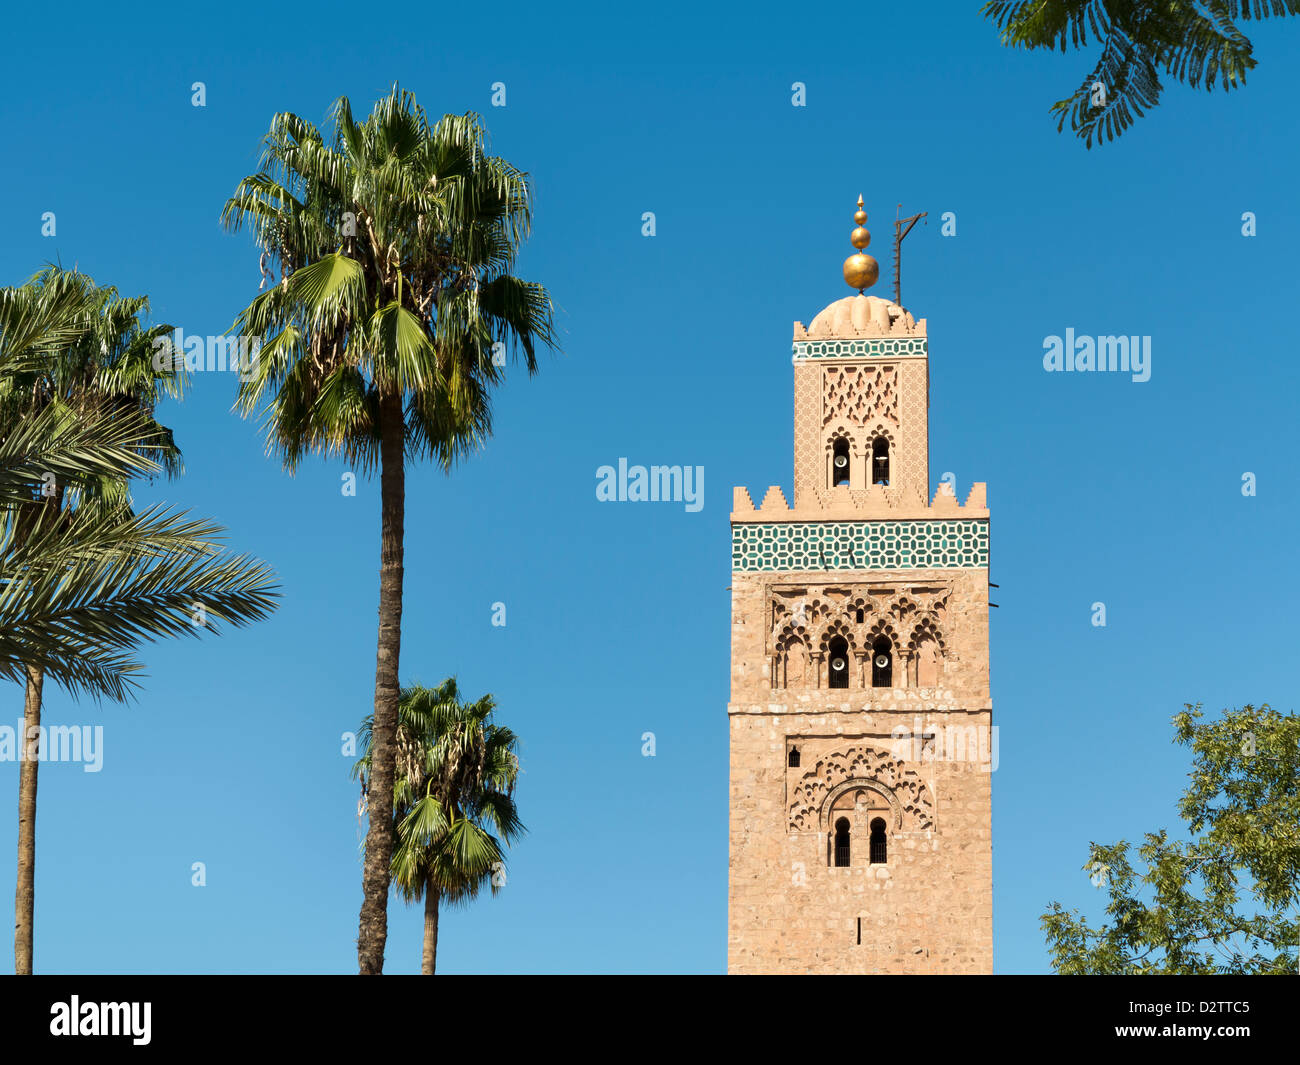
[862,316]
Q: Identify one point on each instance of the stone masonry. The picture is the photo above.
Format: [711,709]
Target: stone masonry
[860,715]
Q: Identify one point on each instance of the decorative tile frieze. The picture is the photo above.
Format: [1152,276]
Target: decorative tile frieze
[859,545]
[843,349]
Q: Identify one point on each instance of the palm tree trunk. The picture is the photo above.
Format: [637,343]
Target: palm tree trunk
[430,957]
[28,764]
[25,894]
[373,931]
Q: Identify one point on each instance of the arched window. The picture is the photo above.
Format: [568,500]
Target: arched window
[839,663]
[880,458]
[882,663]
[793,760]
[842,842]
[840,464]
[879,845]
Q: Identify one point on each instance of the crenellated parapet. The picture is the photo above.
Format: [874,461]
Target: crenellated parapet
[870,503]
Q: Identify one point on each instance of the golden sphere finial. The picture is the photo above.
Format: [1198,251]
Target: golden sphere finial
[860,271]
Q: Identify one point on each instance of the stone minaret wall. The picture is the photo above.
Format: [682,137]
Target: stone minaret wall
[847,568]
[862,399]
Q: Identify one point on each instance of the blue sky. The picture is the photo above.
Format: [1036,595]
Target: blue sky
[675,350]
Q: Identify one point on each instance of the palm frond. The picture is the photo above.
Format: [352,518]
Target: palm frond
[81,591]
[1193,43]
[56,446]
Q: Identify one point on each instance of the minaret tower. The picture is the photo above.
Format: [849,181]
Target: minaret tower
[860,716]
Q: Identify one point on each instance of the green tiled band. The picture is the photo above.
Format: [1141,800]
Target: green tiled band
[842,349]
[855,545]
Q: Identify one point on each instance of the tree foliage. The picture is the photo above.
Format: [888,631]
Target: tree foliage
[395,241]
[1221,900]
[1196,42]
[80,590]
[453,799]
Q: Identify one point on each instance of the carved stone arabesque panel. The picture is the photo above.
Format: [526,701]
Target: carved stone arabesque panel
[809,472]
[813,614]
[907,793]
[860,394]
[912,471]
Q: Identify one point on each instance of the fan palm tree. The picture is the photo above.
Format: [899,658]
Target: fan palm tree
[1140,41]
[390,323]
[453,800]
[81,587]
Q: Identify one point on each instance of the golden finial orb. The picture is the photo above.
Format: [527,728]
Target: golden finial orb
[860,271]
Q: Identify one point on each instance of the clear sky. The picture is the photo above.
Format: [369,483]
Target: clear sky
[676,349]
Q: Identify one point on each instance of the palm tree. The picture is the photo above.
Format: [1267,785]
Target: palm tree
[80,588]
[107,366]
[453,800]
[102,365]
[388,327]
[1139,41]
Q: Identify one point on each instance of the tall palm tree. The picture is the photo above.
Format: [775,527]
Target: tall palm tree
[80,588]
[453,800]
[1140,41]
[396,304]
[106,366]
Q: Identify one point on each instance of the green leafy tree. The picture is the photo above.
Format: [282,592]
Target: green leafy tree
[1222,900]
[1191,42]
[82,585]
[453,800]
[388,327]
